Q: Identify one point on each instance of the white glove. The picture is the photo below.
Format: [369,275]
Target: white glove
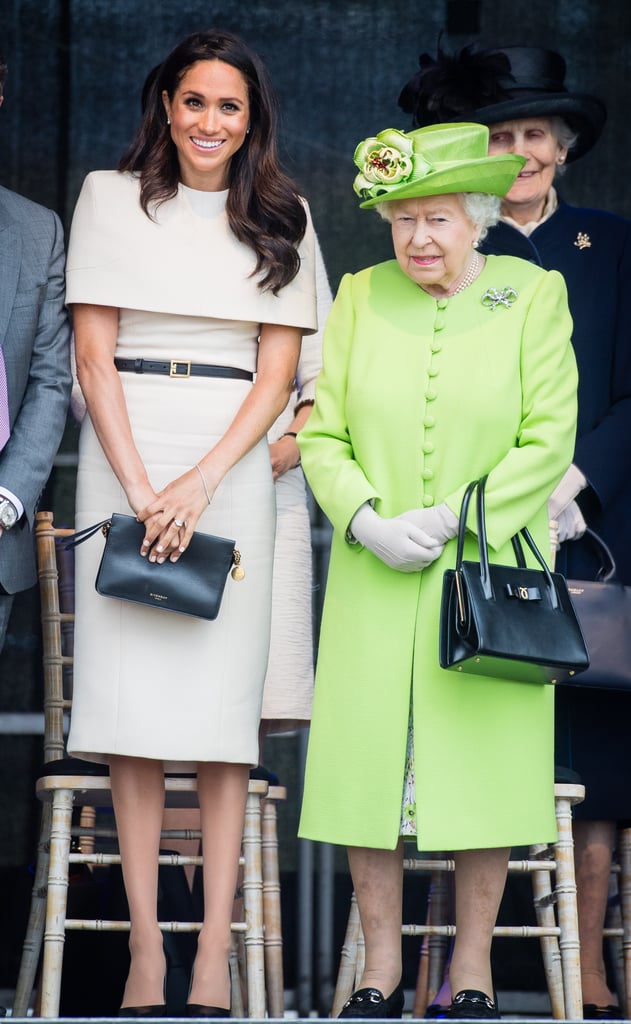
[571,484]
[399,544]
[570,524]
[439,522]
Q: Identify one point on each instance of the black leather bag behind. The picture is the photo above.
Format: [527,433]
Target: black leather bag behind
[507,621]
[193,585]
[603,607]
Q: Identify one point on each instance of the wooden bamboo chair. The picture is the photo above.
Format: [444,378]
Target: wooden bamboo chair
[555,907]
[273,933]
[618,923]
[69,783]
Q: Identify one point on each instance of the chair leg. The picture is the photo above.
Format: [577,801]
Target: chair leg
[550,952]
[434,947]
[567,911]
[54,932]
[273,936]
[348,960]
[253,907]
[37,915]
[613,922]
[421,991]
[624,888]
[236,992]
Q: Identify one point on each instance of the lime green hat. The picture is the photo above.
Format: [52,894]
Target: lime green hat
[431,161]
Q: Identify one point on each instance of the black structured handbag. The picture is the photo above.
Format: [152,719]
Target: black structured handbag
[507,621]
[603,607]
[193,585]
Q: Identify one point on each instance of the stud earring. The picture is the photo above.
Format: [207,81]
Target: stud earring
[247,131]
[476,244]
[168,120]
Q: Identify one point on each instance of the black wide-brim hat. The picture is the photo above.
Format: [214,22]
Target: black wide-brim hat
[504,84]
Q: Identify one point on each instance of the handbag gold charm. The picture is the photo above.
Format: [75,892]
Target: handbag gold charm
[237,572]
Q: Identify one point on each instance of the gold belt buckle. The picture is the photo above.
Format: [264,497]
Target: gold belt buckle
[173,372]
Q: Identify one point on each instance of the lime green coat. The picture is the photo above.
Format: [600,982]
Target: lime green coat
[416,398]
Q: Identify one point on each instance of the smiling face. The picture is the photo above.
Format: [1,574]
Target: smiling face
[533,138]
[209,114]
[433,240]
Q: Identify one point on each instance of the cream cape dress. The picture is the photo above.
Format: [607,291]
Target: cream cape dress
[149,683]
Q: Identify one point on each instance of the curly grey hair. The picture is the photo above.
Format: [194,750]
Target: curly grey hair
[482,209]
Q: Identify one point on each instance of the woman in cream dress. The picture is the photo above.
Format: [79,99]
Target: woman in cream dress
[201,251]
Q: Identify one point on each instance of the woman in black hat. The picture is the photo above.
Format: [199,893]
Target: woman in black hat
[519,92]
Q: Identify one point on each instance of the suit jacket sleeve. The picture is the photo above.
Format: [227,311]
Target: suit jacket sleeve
[37,344]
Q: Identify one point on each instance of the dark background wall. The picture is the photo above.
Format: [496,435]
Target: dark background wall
[72,104]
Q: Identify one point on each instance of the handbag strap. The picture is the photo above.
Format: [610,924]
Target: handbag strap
[462,522]
[607,571]
[485,572]
[82,535]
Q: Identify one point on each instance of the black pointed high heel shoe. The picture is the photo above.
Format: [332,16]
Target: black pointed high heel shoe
[155,1010]
[370,1002]
[470,1004]
[199,1010]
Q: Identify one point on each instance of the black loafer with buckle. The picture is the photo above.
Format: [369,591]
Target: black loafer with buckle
[472,1005]
[370,1002]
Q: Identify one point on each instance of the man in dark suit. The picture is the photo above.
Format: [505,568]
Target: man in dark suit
[35,376]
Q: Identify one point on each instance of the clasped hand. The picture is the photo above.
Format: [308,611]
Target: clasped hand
[170,516]
[398,542]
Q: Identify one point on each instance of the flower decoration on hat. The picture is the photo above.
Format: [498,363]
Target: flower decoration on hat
[385,160]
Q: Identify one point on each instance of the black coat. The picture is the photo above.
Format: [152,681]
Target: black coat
[597,273]
[592,249]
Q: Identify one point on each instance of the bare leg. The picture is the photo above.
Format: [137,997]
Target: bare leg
[593,847]
[138,798]
[222,790]
[480,878]
[378,883]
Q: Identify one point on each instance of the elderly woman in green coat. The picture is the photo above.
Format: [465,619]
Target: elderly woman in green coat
[440,366]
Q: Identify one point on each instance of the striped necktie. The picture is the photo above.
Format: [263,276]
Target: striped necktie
[5,428]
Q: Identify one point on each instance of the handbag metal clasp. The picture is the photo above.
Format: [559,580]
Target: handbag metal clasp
[523,593]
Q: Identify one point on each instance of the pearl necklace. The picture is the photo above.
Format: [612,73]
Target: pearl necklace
[470,275]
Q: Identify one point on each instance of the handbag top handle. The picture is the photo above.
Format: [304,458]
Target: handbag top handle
[485,573]
[607,570]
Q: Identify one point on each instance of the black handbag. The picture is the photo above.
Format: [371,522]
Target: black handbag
[193,585]
[603,607]
[506,621]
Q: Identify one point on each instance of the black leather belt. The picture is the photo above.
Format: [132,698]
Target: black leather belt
[180,368]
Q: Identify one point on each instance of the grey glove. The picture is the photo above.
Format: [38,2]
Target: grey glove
[396,542]
[439,522]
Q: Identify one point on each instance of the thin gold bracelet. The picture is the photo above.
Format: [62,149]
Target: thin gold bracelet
[203,481]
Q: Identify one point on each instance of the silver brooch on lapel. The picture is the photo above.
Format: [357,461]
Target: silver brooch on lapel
[582,241]
[494,297]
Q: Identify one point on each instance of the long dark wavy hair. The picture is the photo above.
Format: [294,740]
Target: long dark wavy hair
[264,209]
